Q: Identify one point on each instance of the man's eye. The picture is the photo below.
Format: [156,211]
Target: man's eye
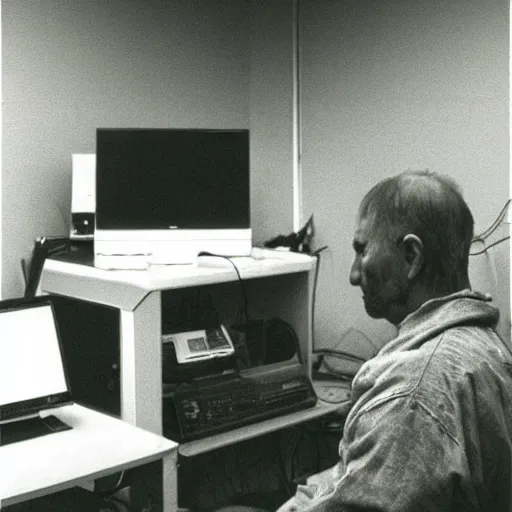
[360,248]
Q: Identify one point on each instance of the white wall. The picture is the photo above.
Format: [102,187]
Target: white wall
[69,67]
[395,85]
[271,118]
[385,86]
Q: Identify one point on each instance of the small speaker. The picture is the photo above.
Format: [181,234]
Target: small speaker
[262,342]
[83,197]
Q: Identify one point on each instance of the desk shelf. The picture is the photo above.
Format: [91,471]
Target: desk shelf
[279,285]
[193,448]
[126,289]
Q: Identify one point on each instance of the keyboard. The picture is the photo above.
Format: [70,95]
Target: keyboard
[20,410]
[30,428]
[217,404]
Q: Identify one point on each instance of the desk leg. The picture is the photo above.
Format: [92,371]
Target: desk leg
[169,483]
[141,365]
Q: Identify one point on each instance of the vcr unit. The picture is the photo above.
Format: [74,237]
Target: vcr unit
[215,404]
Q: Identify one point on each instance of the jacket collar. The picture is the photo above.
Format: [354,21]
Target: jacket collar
[466,307]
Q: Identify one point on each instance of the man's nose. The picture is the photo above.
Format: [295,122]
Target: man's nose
[355,273]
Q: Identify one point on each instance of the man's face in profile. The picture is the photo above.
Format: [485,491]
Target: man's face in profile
[378,269]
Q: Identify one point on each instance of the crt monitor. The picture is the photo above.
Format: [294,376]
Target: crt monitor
[165,195]
[32,372]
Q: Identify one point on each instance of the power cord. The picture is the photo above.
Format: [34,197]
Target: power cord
[490,230]
[241,281]
[120,484]
[313,299]
[487,247]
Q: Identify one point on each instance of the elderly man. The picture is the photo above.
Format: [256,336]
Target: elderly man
[430,428]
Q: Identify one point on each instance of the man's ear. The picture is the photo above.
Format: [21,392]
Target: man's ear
[414,254]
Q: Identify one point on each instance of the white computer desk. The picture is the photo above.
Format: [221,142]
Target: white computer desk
[98,445]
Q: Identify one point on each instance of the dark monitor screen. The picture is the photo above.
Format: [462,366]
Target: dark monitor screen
[172,179]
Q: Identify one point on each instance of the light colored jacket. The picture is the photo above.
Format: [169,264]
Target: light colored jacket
[431,424]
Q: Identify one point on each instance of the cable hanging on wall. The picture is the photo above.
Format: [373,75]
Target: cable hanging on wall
[482,237]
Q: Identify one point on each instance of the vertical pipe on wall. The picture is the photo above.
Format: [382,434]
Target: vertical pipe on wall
[297,146]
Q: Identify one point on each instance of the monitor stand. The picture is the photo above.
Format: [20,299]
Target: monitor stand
[30,428]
